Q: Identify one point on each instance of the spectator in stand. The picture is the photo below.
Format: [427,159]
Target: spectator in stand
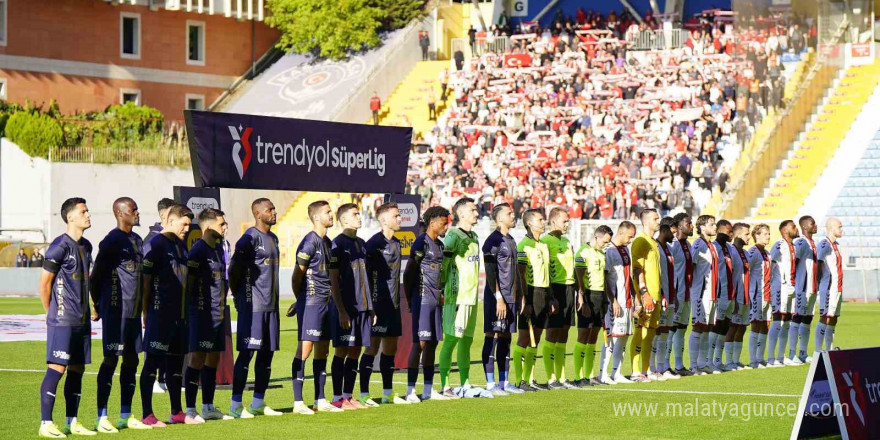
[21,260]
[432,106]
[375,105]
[424,43]
[36,258]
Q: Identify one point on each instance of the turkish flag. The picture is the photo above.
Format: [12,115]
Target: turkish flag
[517,60]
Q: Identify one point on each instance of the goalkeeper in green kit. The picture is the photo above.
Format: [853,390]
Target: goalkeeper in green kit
[460,272]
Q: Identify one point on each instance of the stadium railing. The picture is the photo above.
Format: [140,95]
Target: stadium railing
[749,176]
[164,156]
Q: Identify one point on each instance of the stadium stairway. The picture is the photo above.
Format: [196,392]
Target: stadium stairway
[408,104]
[810,155]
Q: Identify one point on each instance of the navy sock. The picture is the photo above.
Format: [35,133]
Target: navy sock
[319,370]
[191,383]
[105,382]
[502,356]
[127,384]
[174,380]
[263,371]
[47,393]
[337,374]
[412,375]
[366,371]
[160,373]
[148,378]
[240,372]
[428,372]
[489,358]
[351,371]
[72,392]
[298,372]
[386,366]
[209,384]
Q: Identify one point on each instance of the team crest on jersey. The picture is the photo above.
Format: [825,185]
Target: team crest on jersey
[129,266]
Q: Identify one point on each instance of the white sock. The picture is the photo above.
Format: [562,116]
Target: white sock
[207,407]
[820,337]
[709,354]
[124,416]
[728,354]
[737,352]
[617,353]
[337,398]
[346,396]
[652,361]
[704,349]
[693,350]
[803,338]
[753,347]
[234,405]
[783,339]
[71,421]
[670,339]
[607,350]
[320,402]
[662,345]
[678,348]
[257,403]
[793,339]
[759,349]
[410,389]
[829,336]
[386,391]
[772,337]
[719,351]
[191,412]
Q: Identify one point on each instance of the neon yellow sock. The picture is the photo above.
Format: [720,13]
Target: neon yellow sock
[529,363]
[549,352]
[518,358]
[560,361]
[635,351]
[579,358]
[647,341]
[589,359]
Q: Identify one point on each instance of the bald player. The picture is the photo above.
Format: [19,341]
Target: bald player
[116,294]
[830,283]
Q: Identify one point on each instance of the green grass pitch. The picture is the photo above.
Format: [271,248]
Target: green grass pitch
[586,413]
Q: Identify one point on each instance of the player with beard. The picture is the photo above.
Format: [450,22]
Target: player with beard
[590,268]
[726,305]
[704,291]
[830,283]
[659,352]
[253,278]
[806,287]
[741,272]
[783,253]
[762,280]
[682,253]
[562,286]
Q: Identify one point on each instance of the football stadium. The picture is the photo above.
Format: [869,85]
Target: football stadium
[463,218]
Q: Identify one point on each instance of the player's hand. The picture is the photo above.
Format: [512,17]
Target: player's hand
[615,308]
[554,306]
[344,320]
[526,310]
[375,318]
[95,315]
[675,303]
[735,307]
[664,304]
[291,311]
[648,302]
[501,310]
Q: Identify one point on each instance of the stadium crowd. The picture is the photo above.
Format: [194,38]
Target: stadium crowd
[570,116]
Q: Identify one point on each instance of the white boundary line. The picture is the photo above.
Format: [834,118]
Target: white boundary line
[594,388]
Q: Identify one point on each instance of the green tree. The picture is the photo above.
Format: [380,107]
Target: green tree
[333,29]
[35,133]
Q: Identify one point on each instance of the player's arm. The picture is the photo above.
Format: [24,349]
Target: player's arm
[193,264]
[449,244]
[335,290]
[244,255]
[100,269]
[490,258]
[640,250]
[51,265]
[151,260]
[580,275]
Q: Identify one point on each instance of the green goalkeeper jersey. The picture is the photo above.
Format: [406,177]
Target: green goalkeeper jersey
[461,267]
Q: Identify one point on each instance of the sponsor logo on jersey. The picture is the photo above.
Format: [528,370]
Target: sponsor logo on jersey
[61,354]
[313,332]
[159,346]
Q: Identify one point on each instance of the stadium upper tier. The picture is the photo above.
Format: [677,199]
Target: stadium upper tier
[821,141]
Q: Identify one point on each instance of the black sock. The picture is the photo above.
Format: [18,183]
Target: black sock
[240,371]
[319,370]
[337,374]
[386,366]
[428,373]
[72,392]
[298,372]
[174,380]
[489,356]
[148,378]
[191,383]
[105,382]
[209,384]
[262,371]
[351,371]
[47,393]
[160,373]
[366,370]
[502,356]
[128,383]
[412,375]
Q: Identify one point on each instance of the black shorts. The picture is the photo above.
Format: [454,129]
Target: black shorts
[598,303]
[168,336]
[205,335]
[388,322]
[564,295]
[540,316]
[358,335]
